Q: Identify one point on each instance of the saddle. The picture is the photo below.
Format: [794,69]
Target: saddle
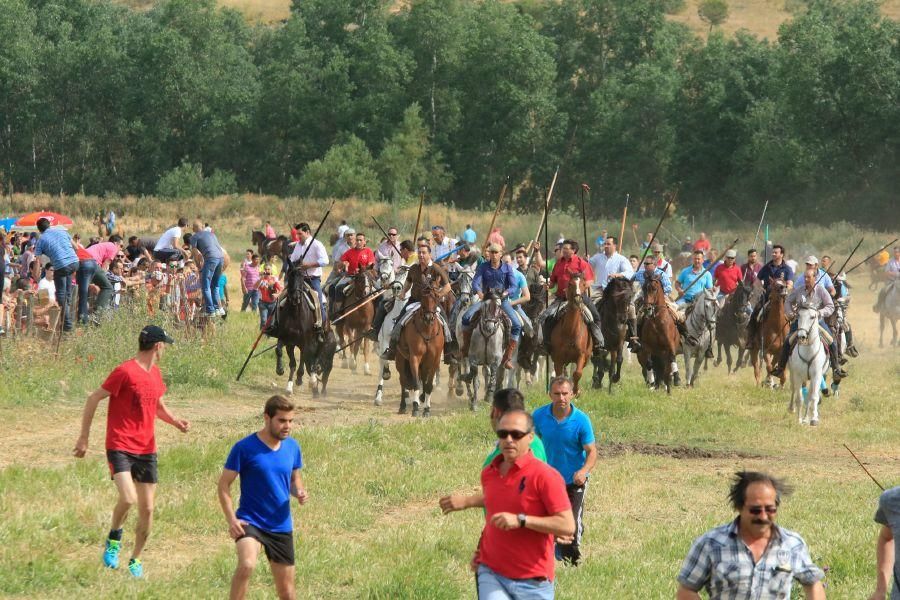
[413,308]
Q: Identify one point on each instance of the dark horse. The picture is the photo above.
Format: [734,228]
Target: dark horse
[295,329]
[268,248]
[732,329]
[529,348]
[613,309]
[659,335]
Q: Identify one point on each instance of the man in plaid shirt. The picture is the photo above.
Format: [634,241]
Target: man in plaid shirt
[750,558]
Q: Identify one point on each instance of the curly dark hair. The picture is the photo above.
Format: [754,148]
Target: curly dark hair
[737,495]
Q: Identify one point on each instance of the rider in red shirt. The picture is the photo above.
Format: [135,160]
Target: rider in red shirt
[569,264]
[358,257]
[728,274]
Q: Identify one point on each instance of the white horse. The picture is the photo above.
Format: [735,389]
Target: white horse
[485,349]
[890,311]
[808,363]
[384,338]
[465,299]
[701,326]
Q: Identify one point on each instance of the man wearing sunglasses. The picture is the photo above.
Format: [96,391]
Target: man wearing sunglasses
[526,507]
[751,557]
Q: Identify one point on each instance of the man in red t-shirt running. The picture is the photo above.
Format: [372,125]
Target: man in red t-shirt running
[526,506]
[135,390]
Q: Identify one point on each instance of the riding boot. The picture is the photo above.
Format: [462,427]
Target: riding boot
[681,326]
[391,351]
[709,351]
[507,355]
[378,321]
[837,372]
[597,337]
[634,342]
[786,349]
[851,349]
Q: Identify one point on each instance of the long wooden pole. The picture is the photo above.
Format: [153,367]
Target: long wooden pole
[537,236]
[863,467]
[419,216]
[866,259]
[658,225]
[622,229]
[704,271]
[584,188]
[496,212]
[855,248]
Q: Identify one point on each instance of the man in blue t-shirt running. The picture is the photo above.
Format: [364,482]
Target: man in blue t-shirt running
[269,463]
[568,437]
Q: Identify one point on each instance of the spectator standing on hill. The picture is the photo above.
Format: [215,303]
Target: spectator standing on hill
[249,283]
[59,248]
[269,287]
[469,236]
[207,250]
[268,463]
[135,390]
[568,437]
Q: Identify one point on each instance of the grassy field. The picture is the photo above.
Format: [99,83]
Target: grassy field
[372,528]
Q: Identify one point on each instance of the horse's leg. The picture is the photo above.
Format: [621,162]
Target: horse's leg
[427,387]
[688,367]
[279,359]
[578,370]
[881,331]
[292,367]
[366,369]
[379,393]
[815,390]
[415,384]
[403,375]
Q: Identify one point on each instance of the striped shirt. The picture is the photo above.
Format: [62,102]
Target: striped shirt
[57,246]
[721,562]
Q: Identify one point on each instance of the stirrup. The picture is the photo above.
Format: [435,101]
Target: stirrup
[778,371]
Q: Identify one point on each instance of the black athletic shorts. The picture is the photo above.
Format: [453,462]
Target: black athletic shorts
[279,546]
[142,467]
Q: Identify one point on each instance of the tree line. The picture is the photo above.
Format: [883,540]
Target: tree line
[379,99]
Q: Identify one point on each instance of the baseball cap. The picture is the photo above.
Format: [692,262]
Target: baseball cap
[812,260]
[657,247]
[152,334]
[349,231]
[731,253]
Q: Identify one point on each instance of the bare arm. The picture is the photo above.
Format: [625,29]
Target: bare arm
[455,502]
[87,417]
[590,460]
[165,415]
[561,524]
[685,593]
[524,298]
[814,591]
[884,562]
[223,490]
[297,489]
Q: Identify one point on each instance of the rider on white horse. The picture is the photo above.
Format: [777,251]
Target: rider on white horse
[384,305]
[814,295]
[697,279]
[494,274]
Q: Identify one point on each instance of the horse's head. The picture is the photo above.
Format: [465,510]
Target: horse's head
[710,307]
[430,302]
[779,286]
[396,289]
[385,270]
[807,319]
[618,291]
[573,289]
[295,286]
[653,290]
[362,282]
[490,306]
[464,281]
[257,236]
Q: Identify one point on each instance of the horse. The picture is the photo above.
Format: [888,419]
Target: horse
[384,338]
[570,339]
[358,322]
[701,325]
[773,330]
[419,351]
[808,362]
[466,297]
[732,328]
[659,335]
[890,312]
[613,309]
[485,348]
[529,350]
[267,248]
[295,328]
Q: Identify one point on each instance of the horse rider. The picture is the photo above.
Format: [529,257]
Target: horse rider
[357,258]
[815,295]
[521,296]
[270,231]
[384,304]
[532,272]
[822,276]
[567,265]
[661,263]
[650,270]
[498,276]
[727,275]
[469,258]
[608,264]
[775,269]
[443,246]
[389,249]
[750,269]
[892,274]
[420,277]
[315,258]
[697,278]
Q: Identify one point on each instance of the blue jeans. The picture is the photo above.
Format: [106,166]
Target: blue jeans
[62,279]
[514,332]
[265,308]
[86,271]
[493,586]
[251,299]
[209,283]
[316,284]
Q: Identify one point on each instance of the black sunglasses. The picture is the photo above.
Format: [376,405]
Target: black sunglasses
[757,510]
[514,433]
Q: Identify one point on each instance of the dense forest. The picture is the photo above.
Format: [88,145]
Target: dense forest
[379,99]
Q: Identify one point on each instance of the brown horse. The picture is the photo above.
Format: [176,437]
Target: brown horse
[570,339]
[613,309]
[773,331]
[268,248]
[659,335]
[359,321]
[419,352]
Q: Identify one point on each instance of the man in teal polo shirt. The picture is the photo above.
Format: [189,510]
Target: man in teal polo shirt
[504,401]
[568,437]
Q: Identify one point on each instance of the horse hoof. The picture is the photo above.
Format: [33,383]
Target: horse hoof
[344,363]
[386,373]
[279,372]
[402,410]
[290,388]
[367,370]
[814,423]
[415,409]
[473,406]
[426,412]
[378,400]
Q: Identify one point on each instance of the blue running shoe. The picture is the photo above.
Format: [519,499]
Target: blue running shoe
[111,554]
[136,568]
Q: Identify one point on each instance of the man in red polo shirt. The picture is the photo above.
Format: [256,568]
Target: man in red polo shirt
[526,507]
[727,275]
[354,260]
[135,390]
[566,267]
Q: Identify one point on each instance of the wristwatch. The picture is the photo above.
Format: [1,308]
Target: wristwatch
[521,518]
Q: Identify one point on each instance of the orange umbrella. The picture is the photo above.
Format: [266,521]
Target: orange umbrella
[29,221]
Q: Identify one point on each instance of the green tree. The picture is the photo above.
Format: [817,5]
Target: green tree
[347,169]
[407,162]
[714,12]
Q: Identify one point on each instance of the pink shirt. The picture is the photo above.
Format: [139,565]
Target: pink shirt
[103,252]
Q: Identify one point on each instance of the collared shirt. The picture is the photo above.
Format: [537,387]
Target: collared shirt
[687,276]
[565,268]
[772,271]
[387,250]
[720,561]
[530,487]
[604,266]
[749,272]
[358,258]
[702,245]
[641,276]
[888,514]
[490,278]
[819,298]
[727,277]
[663,265]
[821,276]
[893,267]
[315,255]
[564,440]
[337,251]
[57,246]
[420,277]
[443,248]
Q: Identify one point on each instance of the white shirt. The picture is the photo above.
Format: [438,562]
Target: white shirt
[316,254]
[337,251]
[605,266]
[386,250]
[169,239]
[443,248]
[49,285]
[341,230]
